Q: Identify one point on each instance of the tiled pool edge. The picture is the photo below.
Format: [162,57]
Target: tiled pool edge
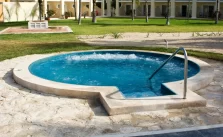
[112,99]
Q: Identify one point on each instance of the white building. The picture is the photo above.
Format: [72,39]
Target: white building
[156,8]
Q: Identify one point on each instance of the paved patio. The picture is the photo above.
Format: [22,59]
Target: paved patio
[29,113]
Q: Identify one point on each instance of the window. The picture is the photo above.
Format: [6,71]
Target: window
[58,6]
[48,7]
[164,10]
[128,9]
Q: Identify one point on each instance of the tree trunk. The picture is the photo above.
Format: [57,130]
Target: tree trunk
[132,10]
[79,18]
[94,12]
[217,13]
[167,14]
[188,11]
[147,17]
[40,9]
[75,14]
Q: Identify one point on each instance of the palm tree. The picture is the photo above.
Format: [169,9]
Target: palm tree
[147,17]
[137,2]
[34,11]
[132,10]
[94,12]
[167,14]
[40,9]
[17,7]
[75,14]
[79,18]
[9,12]
[188,10]
[217,12]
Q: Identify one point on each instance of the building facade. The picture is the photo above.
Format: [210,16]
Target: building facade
[1,9]
[156,8]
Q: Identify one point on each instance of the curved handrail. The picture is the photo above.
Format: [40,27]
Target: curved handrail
[185,68]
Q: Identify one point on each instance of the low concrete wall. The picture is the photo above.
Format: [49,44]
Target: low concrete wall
[23,12]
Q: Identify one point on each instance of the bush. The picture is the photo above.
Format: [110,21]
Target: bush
[67,14]
[50,13]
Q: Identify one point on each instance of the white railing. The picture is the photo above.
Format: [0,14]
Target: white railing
[185,68]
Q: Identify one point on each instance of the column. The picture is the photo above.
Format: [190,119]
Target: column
[172,9]
[109,8]
[194,9]
[62,8]
[91,8]
[117,8]
[103,8]
[77,8]
[152,12]
[45,7]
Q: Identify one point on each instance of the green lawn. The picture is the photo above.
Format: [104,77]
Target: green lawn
[109,25]
[18,45]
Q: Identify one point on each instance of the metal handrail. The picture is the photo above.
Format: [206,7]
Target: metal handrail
[185,68]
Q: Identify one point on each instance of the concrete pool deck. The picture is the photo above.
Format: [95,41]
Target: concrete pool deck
[112,99]
[29,113]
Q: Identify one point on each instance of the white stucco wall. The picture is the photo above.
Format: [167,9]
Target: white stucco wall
[23,12]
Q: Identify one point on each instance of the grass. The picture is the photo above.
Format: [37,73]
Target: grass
[109,25]
[24,44]
[12,46]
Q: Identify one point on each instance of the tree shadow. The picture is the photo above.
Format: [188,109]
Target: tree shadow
[107,24]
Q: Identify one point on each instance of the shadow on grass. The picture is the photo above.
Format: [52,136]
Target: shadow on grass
[107,24]
[14,24]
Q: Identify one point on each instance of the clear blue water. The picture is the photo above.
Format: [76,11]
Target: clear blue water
[128,70]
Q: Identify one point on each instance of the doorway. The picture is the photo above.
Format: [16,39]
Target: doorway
[164,10]
[144,10]
[184,10]
[128,9]
[208,11]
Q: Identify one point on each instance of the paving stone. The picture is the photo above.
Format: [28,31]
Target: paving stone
[154,128]
[175,119]
[130,129]
[152,114]
[100,122]
[215,88]
[121,119]
[147,124]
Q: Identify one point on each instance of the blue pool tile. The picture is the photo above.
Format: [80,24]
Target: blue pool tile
[177,134]
[213,132]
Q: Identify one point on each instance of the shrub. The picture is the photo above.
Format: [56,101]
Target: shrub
[50,13]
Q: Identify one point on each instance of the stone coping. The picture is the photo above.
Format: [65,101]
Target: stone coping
[113,101]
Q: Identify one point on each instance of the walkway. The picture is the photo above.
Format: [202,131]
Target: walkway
[202,41]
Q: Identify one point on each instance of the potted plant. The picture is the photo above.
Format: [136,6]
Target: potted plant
[50,13]
[68,14]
